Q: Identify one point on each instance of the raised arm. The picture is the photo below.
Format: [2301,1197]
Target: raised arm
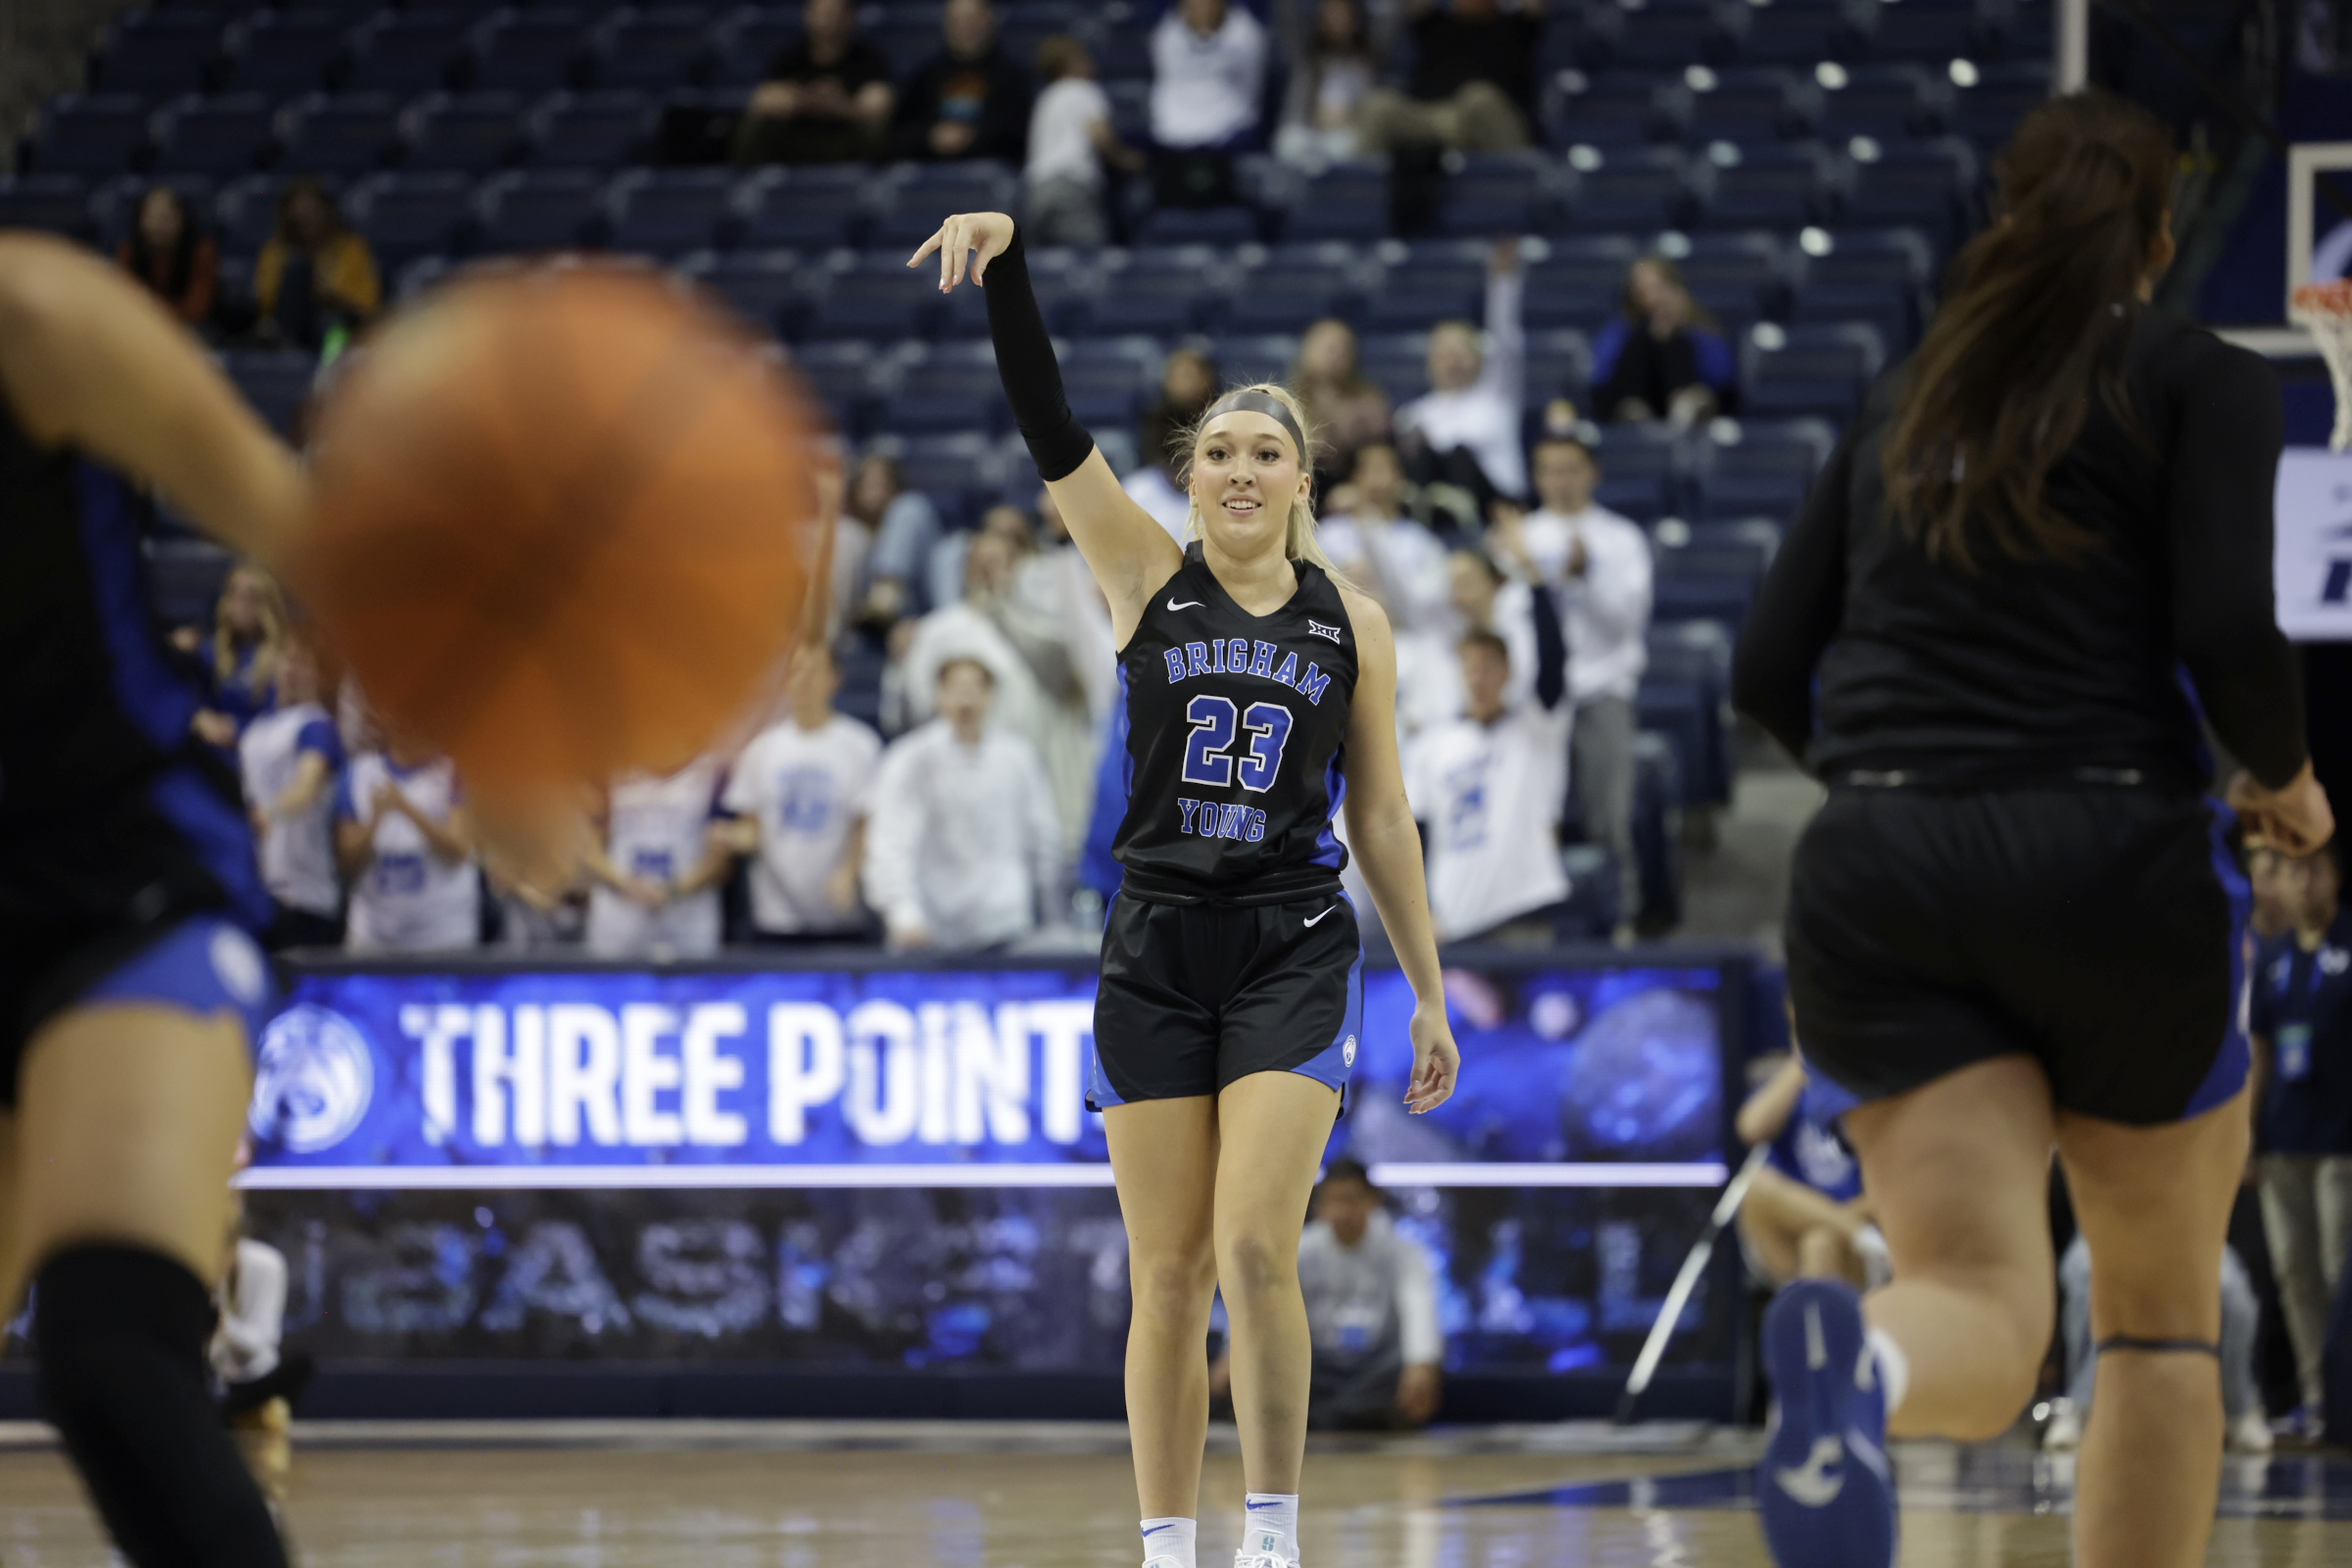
[1387,843]
[88,358]
[1130,554]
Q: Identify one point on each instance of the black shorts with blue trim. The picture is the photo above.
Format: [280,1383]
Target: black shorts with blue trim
[1196,996]
[2096,929]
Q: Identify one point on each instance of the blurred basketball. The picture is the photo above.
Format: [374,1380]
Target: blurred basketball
[558,520]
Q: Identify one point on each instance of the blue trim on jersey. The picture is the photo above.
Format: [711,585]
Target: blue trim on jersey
[1334,790]
[157,697]
[1336,1062]
[2235,1062]
[203,965]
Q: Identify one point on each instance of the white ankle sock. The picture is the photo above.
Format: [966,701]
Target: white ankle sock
[1270,1523]
[1171,1541]
[1895,1367]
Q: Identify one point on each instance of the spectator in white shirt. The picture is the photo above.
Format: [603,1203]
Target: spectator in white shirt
[1603,564]
[1464,431]
[291,757]
[406,842]
[657,874]
[1388,555]
[1070,141]
[801,793]
[1490,787]
[964,849]
[1209,73]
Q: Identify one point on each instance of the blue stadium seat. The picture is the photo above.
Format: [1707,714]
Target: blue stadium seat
[409,51]
[874,296]
[1798,32]
[842,375]
[541,210]
[1198,226]
[599,131]
[404,216]
[1934,30]
[89,133]
[157,52]
[764,287]
[1988,108]
[220,136]
[344,134]
[810,209]
[915,198]
[1683,697]
[1246,358]
[1157,293]
[1559,363]
[1289,293]
[1770,187]
[1123,54]
[1629,190]
[743,44]
[1747,271]
[1887,102]
[1348,201]
[1579,281]
[944,388]
[1894,309]
[472,133]
[1641,468]
[54,204]
[1619,109]
[1746,468]
[1924,186]
[654,48]
[285,52]
[1818,370]
[1435,282]
[1748,106]
[275,384]
[1492,193]
[1667,34]
[667,212]
[1898,255]
[960,474]
[533,51]
[1702,584]
[1398,363]
[245,211]
[1110,379]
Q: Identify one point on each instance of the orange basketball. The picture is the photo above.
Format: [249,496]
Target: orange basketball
[559,521]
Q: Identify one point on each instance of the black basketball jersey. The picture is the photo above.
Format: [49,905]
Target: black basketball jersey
[1237,727]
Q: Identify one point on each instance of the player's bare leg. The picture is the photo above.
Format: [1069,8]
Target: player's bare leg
[1164,1155]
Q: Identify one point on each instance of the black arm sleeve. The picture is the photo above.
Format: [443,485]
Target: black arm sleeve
[2227,434]
[1796,612]
[1026,364]
[1552,650]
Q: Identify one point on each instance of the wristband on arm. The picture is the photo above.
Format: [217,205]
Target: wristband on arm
[1026,364]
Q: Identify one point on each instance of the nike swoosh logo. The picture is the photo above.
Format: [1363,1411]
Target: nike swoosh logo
[1311,920]
[1814,1484]
[1254,1506]
[1157,1528]
[1188,603]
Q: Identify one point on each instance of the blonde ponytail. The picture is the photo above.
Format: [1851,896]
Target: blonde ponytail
[1298,535]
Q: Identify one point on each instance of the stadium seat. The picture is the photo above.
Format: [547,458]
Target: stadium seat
[90,134]
[1492,193]
[341,134]
[404,216]
[1198,226]
[184,578]
[1796,33]
[741,44]
[667,212]
[1818,370]
[1245,357]
[1925,29]
[1110,379]
[843,375]
[1894,310]
[1628,190]
[1770,187]
[1665,34]
[54,204]
[1435,283]
[275,384]
[1348,201]
[286,52]
[1157,293]
[1578,280]
[1989,103]
[1560,364]
[1642,467]
[1681,697]
[1925,186]
[156,53]
[960,474]
[1899,256]
[655,49]
[409,52]
[597,131]
[809,209]
[541,210]
[1748,106]
[1754,466]
[1290,292]
[764,287]
[1123,54]
[1061,280]
[873,297]
[1888,101]
[473,134]
[1745,273]
[944,388]
[219,136]
[532,51]
[1617,109]
[915,199]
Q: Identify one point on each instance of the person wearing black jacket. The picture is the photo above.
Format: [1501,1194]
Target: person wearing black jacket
[970,100]
[2042,548]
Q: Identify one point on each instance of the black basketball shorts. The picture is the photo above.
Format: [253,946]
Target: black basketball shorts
[2094,929]
[1196,995]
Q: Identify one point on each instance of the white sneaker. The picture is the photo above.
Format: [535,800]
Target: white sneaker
[1260,1560]
[2249,1433]
[2064,1434]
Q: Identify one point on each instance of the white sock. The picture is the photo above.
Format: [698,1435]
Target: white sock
[1895,1367]
[1171,1541]
[1270,1523]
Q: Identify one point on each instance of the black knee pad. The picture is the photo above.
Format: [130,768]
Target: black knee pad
[121,1334]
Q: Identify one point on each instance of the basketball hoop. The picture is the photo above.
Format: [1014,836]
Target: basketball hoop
[2324,309]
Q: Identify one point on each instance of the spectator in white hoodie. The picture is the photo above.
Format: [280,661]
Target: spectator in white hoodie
[964,851]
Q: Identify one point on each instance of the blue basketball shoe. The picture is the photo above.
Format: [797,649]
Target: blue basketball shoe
[1825,1489]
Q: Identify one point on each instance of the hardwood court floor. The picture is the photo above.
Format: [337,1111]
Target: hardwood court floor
[894,1495]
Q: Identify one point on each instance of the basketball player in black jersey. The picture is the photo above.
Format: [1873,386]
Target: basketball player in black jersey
[1262,696]
[128,980]
[2044,545]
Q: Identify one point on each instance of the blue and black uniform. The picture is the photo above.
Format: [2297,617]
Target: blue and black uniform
[127,864]
[1229,949]
[2016,856]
